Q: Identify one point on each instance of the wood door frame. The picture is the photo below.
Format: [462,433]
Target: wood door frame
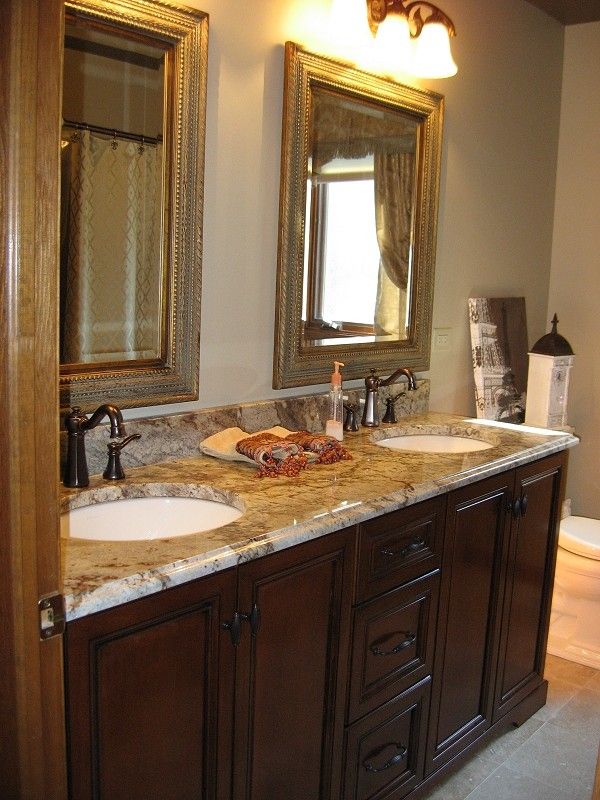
[32,744]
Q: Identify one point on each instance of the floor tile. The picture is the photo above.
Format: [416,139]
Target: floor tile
[563,670]
[504,745]
[506,784]
[559,694]
[462,783]
[552,756]
[560,757]
[582,712]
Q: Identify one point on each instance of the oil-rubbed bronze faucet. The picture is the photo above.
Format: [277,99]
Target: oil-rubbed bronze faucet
[370,417]
[77,424]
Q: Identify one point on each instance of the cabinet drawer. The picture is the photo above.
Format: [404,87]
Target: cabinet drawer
[398,547]
[393,643]
[385,750]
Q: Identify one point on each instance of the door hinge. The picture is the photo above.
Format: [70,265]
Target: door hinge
[52,615]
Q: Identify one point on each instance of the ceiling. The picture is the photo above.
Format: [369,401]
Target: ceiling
[570,12]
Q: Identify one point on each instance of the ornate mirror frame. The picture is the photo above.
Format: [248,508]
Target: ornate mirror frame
[173,378]
[296,363]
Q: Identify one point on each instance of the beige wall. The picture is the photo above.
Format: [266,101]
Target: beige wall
[497,189]
[575,279]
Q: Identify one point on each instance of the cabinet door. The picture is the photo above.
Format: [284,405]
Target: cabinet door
[150,685]
[291,674]
[529,578]
[476,539]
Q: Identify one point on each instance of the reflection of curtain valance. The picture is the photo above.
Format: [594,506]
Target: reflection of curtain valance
[342,128]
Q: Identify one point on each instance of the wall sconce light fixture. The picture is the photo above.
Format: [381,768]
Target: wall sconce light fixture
[412,42]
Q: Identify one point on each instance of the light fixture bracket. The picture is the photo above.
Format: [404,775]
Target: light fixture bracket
[377,11]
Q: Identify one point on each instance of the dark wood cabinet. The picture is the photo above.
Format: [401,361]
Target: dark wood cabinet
[291,676]
[497,574]
[394,628]
[151,684]
[529,580]
[394,637]
[385,750]
[360,665]
[396,547]
[149,698]
[474,551]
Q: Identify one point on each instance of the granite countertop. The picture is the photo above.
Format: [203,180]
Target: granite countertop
[278,512]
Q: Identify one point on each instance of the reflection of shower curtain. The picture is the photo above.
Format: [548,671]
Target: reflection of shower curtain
[394,174]
[111,254]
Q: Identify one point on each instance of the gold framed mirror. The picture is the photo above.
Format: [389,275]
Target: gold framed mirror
[132,185]
[360,168]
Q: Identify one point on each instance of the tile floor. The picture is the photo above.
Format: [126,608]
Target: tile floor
[551,757]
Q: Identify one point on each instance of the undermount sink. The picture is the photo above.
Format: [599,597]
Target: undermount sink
[141,518]
[434,443]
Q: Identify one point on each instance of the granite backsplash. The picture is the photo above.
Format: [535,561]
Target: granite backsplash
[174,436]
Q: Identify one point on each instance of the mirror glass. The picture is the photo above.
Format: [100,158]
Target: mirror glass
[360,212]
[359,186]
[112,197]
[132,150]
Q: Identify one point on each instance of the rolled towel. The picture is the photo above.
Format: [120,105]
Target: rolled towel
[274,455]
[328,449]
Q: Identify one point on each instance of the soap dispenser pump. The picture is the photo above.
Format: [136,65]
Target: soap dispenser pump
[335,420]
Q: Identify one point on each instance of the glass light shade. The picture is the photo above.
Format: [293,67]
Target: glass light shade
[348,36]
[393,44]
[431,54]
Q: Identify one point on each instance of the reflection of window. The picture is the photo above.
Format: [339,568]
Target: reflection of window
[342,256]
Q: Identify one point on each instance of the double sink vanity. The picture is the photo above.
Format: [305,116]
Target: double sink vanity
[353,632]
[349,634]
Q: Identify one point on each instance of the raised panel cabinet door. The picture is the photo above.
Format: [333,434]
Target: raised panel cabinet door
[530,574]
[477,525]
[291,671]
[150,688]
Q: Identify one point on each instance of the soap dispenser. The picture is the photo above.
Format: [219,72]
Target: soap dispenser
[334,425]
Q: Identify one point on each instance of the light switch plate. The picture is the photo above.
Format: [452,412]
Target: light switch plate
[442,339]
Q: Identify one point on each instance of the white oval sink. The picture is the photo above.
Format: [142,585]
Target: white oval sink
[434,443]
[139,518]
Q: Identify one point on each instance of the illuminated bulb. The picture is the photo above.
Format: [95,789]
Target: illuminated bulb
[393,44]
[349,37]
[431,56]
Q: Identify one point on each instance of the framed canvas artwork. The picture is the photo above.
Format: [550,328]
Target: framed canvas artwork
[499,349]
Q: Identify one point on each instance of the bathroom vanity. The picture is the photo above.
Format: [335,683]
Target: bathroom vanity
[359,651]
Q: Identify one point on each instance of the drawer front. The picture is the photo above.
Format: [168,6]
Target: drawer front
[393,644]
[398,547]
[385,750]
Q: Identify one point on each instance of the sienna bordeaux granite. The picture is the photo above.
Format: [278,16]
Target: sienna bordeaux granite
[278,512]
[177,435]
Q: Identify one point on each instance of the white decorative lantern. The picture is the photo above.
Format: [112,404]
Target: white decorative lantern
[550,363]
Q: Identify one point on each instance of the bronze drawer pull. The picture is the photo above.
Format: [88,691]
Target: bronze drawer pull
[391,763]
[406,642]
[413,547]
[234,628]
[253,618]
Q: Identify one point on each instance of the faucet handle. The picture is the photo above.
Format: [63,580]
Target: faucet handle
[114,470]
[372,381]
[350,422]
[390,411]
[74,419]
